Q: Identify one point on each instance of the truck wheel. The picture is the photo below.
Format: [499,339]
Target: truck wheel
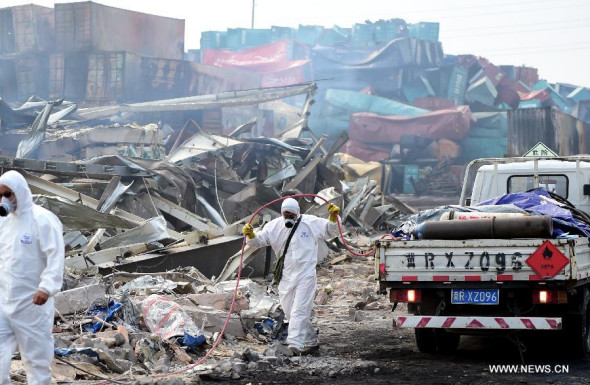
[425,340]
[577,331]
[446,342]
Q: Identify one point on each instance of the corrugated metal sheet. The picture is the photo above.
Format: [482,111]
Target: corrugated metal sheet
[92,26]
[25,28]
[561,132]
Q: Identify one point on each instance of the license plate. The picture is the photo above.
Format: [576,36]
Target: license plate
[475,296]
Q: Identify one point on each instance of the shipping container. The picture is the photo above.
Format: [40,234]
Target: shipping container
[281,33]
[334,36]
[112,76]
[94,77]
[559,131]
[26,28]
[208,80]
[386,31]
[213,40]
[482,91]
[92,26]
[239,38]
[529,76]
[164,78]
[363,35]
[424,31]
[24,75]
[457,85]
[309,34]
[68,75]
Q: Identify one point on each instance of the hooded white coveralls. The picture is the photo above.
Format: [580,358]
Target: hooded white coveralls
[31,258]
[298,284]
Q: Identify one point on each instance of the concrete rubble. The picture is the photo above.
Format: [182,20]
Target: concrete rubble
[134,343]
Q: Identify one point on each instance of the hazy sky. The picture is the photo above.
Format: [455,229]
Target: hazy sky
[551,35]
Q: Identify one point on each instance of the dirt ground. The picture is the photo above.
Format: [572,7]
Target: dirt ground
[391,356]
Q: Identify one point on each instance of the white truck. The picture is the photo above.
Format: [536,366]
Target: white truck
[456,286]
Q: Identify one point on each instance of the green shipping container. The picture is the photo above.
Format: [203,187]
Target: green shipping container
[424,31]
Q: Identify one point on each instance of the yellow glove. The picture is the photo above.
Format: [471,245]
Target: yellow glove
[248,231]
[333,210]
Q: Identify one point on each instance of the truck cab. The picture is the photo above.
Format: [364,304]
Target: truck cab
[568,177]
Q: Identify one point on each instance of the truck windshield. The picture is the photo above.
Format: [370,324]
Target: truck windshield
[553,183]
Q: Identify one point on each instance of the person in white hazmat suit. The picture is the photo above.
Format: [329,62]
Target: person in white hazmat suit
[297,285]
[31,272]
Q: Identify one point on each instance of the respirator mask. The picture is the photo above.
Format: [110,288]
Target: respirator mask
[290,221]
[6,207]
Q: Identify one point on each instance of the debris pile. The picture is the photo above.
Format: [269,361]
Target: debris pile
[126,326]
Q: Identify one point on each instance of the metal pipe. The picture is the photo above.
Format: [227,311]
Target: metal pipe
[536,226]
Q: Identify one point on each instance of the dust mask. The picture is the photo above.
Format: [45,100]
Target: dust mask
[289,222]
[6,207]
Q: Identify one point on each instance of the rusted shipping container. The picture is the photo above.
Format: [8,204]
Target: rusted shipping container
[68,74]
[112,76]
[164,78]
[214,80]
[24,75]
[94,77]
[26,28]
[561,132]
[92,26]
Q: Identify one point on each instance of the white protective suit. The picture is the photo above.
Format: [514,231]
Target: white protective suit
[31,258]
[298,284]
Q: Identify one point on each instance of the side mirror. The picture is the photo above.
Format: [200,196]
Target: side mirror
[467,202]
[587,189]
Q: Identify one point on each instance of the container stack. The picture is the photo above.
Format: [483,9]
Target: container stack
[99,50]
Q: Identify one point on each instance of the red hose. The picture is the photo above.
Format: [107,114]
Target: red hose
[231,308]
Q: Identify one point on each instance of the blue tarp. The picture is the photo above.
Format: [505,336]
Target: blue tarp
[192,341]
[539,202]
[106,314]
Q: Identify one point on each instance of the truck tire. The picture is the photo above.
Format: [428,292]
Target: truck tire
[577,331]
[425,340]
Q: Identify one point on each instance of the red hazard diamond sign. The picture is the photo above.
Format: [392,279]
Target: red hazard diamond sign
[547,260]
